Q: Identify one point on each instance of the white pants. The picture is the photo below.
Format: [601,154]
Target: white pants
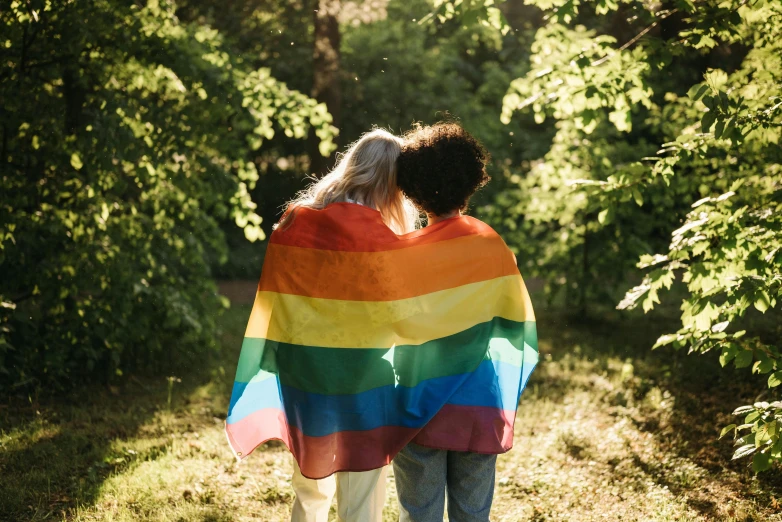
[360,496]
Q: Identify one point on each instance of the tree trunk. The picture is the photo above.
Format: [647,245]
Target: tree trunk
[325,78]
[75,95]
[584,271]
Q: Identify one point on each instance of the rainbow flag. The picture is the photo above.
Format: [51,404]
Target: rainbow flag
[361,341]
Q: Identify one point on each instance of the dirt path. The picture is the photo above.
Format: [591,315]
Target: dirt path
[240,292]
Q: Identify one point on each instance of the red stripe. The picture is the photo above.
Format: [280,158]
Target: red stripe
[478,429]
[354,228]
[262,425]
[319,457]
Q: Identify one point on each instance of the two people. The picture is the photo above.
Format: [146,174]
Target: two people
[371,341]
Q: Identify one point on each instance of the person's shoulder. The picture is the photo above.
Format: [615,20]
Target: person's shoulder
[490,236]
[479,227]
[338,226]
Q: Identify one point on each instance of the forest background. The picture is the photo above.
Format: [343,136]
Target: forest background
[149,146]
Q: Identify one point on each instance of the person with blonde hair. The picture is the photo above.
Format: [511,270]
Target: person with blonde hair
[365,174]
[360,192]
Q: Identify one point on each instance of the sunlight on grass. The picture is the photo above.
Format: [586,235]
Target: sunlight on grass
[35,432]
[598,437]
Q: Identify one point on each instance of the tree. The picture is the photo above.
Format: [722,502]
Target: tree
[127,135]
[718,168]
[393,70]
[325,77]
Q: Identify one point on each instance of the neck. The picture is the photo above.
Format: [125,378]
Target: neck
[432,219]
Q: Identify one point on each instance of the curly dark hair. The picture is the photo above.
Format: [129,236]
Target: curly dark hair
[440,167]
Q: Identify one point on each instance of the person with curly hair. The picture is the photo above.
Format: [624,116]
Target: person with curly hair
[441,166]
[439,169]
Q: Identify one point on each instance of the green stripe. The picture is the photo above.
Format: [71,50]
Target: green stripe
[506,349]
[335,371]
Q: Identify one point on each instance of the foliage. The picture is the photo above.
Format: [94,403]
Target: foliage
[720,147]
[137,136]
[397,67]
[397,73]
[469,13]
[274,35]
[127,137]
[600,103]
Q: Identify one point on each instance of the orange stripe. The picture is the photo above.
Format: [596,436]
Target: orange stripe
[386,275]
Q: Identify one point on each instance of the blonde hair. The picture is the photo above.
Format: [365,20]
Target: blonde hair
[365,174]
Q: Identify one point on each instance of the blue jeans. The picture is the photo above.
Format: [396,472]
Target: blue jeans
[423,475]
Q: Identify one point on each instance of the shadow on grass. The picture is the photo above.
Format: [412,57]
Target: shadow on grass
[700,393]
[57,452]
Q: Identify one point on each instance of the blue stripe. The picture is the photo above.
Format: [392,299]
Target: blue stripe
[247,398]
[525,373]
[493,384]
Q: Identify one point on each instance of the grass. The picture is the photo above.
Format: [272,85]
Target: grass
[606,430]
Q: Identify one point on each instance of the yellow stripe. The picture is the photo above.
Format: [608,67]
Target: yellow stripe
[339,323]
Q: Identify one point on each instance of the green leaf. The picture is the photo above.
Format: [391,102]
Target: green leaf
[76,161]
[724,100]
[741,410]
[639,199]
[775,379]
[730,126]
[697,91]
[727,429]
[743,358]
[719,128]
[752,417]
[746,439]
[761,462]
[776,448]
[743,451]
[764,366]
[665,339]
[762,301]
[773,428]
[707,121]
[727,355]
[761,436]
